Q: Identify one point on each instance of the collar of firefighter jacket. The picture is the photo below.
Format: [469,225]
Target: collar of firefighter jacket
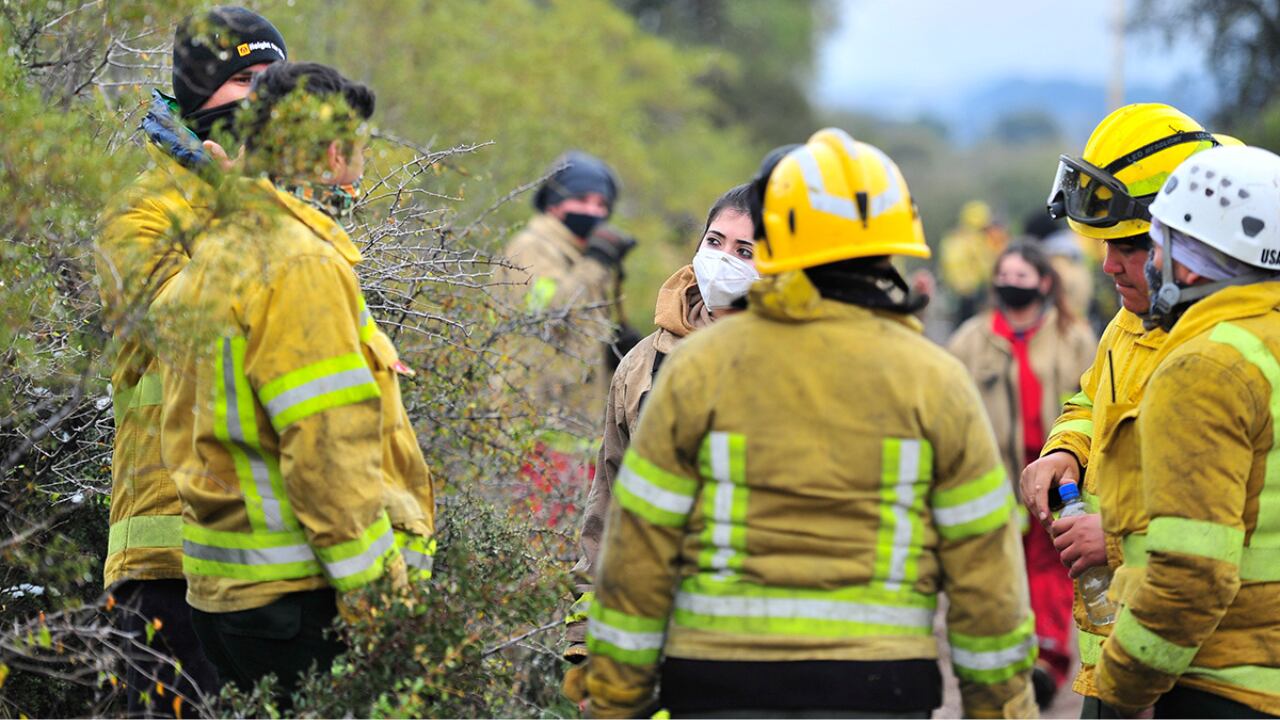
[791,297]
[554,232]
[678,310]
[1131,324]
[1232,303]
[193,188]
[322,225]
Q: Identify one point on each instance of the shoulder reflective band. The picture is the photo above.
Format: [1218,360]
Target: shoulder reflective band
[145,531]
[1261,559]
[906,466]
[706,602]
[629,639]
[652,493]
[995,658]
[975,507]
[251,556]
[722,462]
[354,563]
[1149,648]
[320,386]
[365,322]
[236,427]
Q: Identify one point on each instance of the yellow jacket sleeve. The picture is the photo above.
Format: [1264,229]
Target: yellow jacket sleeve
[556,278]
[992,634]
[1196,424]
[636,570]
[1073,430]
[304,361]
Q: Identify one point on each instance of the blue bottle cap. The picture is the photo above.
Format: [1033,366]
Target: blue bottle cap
[1069,492]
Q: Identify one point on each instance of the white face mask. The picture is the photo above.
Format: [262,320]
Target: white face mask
[722,278]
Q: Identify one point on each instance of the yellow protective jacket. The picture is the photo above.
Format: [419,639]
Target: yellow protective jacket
[679,311]
[141,244]
[1093,430]
[1057,356]
[282,424]
[563,371]
[806,477]
[1201,588]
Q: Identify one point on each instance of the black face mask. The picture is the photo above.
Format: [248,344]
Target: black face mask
[1016,298]
[201,122]
[582,225]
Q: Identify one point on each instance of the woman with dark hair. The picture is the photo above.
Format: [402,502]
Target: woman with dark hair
[1026,356]
[695,296]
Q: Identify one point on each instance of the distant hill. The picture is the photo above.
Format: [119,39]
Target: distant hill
[1074,106]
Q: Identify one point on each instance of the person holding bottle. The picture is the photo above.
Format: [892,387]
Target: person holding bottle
[1026,355]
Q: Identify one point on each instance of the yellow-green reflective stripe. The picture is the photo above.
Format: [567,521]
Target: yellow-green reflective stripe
[976,507]
[654,494]
[254,556]
[709,603]
[1267,532]
[1149,648]
[148,392]
[145,531]
[906,464]
[330,383]
[1080,399]
[355,562]
[418,552]
[581,608]
[1256,564]
[722,460]
[368,326]
[1134,548]
[1251,677]
[1080,426]
[630,639]
[236,425]
[540,294]
[1195,537]
[995,658]
[1091,502]
[1090,647]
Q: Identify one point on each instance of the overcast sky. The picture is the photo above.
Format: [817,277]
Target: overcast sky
[905,56]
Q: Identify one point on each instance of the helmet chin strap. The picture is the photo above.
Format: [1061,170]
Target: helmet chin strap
[1172,299]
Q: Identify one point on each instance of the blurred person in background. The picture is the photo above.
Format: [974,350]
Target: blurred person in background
[698,294]
[142,243]
[1068,254]
[1104,193]
[967,254]
[1026,355]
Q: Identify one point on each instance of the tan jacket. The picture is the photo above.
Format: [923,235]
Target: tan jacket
[679,312]
[561,369]
[805,479]
[1057,357]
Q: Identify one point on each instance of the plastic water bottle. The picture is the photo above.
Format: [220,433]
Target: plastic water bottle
[1094,582]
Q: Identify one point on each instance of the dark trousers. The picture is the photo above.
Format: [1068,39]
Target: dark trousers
[141,603]
[284,638]
[1095,709]
[1185,702]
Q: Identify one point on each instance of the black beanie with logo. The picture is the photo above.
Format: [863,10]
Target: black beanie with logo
[208,49]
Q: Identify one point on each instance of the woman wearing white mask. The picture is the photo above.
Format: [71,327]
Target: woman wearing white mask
[694,297]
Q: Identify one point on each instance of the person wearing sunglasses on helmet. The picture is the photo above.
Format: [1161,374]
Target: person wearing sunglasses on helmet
[1104,193]
[1199,632]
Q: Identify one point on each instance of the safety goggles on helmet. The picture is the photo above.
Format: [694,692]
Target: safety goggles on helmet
[1094,197]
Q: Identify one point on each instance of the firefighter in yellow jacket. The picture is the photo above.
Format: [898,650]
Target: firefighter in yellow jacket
[141,245]
[806,477]
[1199,632]
[1104,195]
[283,428]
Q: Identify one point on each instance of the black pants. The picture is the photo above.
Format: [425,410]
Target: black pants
[1095,709]
[284,638]
[1185,702]
[141,603]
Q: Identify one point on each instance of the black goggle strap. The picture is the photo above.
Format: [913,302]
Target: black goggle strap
[1163,143]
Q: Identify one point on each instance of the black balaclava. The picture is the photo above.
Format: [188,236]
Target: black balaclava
[209,49]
